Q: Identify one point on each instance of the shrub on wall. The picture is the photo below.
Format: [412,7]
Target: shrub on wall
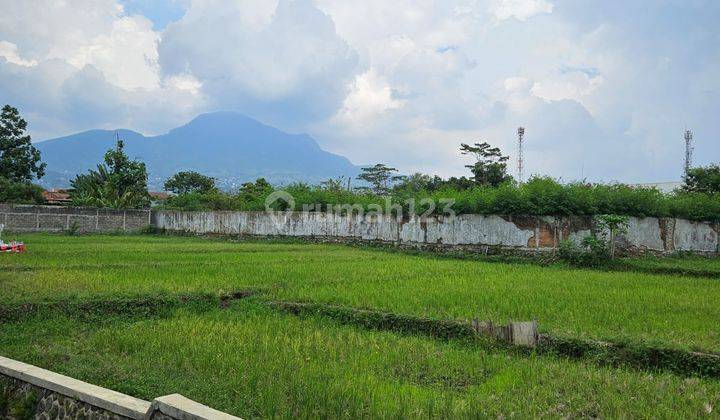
[538,196]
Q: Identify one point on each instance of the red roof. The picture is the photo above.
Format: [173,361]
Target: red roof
[56,196]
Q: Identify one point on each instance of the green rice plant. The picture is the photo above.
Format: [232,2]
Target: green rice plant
[254,362]
[667,310]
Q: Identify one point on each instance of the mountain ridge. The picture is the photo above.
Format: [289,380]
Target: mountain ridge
[227,145]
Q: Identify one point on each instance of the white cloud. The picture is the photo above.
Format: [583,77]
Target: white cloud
[126,55]
[184,82]
[369,99]
[9,52]
[514,84]
[573,85]
[264,61]
[521,10]
[74,65]
[84,32]
[396,81]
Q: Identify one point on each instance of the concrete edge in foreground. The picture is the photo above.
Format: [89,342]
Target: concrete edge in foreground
[178,407]
[61,396]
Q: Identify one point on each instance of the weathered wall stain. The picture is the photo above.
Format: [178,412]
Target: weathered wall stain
[472,231]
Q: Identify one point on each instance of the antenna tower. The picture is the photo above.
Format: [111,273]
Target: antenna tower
[521,134]
[688,151]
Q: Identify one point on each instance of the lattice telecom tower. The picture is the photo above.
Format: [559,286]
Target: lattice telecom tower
[688,151]
[521,134]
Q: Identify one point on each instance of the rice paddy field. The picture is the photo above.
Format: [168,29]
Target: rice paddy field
[251,360]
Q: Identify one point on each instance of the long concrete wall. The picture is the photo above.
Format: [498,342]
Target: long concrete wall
[19,218]
[486,233]
[481,232]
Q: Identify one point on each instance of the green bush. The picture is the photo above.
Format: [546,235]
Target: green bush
[592,252]
[538,196]
[20,192]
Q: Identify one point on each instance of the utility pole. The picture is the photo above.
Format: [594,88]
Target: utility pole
[521,134]
[688,151]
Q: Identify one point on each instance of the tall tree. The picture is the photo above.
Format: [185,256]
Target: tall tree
[254,191]
[379,177]
[704,179]
[189,181]
[19,159]
[490,167]
[337,184]
[118,183]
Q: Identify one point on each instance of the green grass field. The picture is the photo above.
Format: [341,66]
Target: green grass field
[689,264]
[253,361]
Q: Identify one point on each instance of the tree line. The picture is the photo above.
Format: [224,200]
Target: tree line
[121,182]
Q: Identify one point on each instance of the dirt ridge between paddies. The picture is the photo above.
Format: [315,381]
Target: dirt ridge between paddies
[148,306]
[636,356]
[629,355]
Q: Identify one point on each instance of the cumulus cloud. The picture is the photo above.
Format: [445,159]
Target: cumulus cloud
[369,98]
[600,87]
[126,54]
[567,85]
[76,65]
[44,29]
[9,52]
[262,58]
[84,32]
[401,82]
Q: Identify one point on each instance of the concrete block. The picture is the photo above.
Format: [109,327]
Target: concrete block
[524,333]
[178,407]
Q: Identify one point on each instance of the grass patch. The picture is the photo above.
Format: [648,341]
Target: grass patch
[665,311]
[642,357]
[256,362]
[142,315]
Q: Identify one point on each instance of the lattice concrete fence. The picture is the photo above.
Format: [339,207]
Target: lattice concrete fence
[19,218]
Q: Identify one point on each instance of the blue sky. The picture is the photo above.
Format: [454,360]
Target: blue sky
[603,88]
[160,12]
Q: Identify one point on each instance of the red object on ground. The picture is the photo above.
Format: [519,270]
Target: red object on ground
[12,247]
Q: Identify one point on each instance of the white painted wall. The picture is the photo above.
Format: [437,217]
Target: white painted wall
[463,230]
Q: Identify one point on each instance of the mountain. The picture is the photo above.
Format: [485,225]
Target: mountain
[228,146]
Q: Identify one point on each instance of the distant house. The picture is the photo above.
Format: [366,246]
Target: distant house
[57,197]
[158,197]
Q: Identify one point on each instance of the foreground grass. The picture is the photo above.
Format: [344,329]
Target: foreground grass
[660,309]
[254,362]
